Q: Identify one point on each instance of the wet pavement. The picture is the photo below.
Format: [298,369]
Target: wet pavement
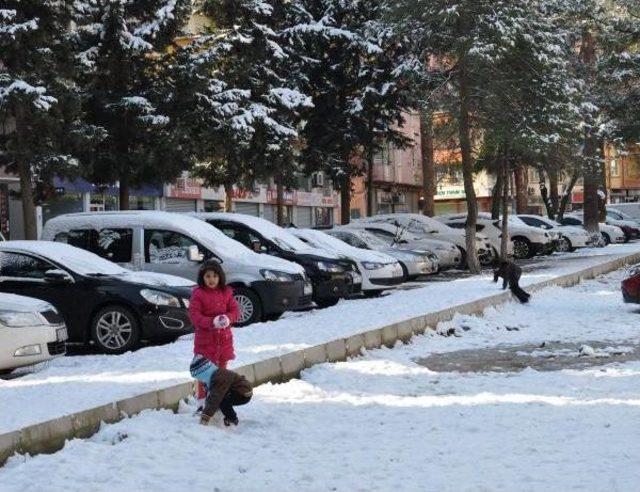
[548,356]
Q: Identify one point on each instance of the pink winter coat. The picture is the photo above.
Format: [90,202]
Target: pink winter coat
[216,344]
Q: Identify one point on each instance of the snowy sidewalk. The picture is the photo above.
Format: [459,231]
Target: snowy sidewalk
[382,422]
[74,384]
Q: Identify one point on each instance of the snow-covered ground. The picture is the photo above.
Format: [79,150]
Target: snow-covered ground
[72,384]
[384,422]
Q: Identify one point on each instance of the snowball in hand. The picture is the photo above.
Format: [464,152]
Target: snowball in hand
[221,321]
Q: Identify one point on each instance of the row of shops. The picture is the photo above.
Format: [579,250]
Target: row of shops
[301,208]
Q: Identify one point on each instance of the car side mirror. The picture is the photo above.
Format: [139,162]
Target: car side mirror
[194,254]
[56,276]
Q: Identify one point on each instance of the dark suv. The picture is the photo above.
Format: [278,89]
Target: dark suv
[332,277]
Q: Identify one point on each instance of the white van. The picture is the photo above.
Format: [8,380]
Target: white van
[176,244]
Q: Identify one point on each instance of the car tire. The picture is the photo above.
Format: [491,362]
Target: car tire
[249,305]
[522,248]
[271,316]
[405,272]
[564,245]
[5,372]
[607,238]
[115,330]
[327,302]
[463,258]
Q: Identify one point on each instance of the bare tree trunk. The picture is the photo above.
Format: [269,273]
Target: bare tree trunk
[345,200]
[428,162]
[279,201]
[591,173]
[504,236]
[26,180]
[566,195]
[28,202]
[124,194]
[544,193]
[496,196]
[228,196]
[602,200]
[522,198]
[464,132]
[553,191]
[370,190]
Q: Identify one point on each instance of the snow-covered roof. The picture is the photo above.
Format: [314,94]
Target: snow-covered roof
[76,259]
[324,241]
[280,236]
[207,235]
[12,302]
[405,218]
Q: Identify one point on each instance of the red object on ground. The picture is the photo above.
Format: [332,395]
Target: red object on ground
[631,288]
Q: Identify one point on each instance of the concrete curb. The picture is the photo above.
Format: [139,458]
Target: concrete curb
[50,436]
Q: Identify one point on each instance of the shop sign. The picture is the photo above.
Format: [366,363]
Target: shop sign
[187,188]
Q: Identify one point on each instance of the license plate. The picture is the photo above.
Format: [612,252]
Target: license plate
[61,334]
[308,289]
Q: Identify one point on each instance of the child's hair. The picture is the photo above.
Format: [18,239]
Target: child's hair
[212,266]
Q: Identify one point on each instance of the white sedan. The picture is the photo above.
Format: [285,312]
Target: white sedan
[571,237]
[379,271]
[31,331]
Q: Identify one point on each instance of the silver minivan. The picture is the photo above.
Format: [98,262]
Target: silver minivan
[176,244]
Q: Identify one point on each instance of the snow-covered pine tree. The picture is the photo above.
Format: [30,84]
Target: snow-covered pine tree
[39,127]
[125,48]
[471,44]
[248,80]
[356,68]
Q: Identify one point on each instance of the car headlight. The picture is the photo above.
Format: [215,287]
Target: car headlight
[17,319]
[276,276]
[372,265]
[159,298]
[328,267]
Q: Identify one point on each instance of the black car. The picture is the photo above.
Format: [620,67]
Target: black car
[332,277]
[100,302]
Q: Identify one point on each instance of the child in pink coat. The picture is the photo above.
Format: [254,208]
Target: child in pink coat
[213,310]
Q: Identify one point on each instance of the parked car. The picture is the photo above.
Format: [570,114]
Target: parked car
[332,277]
[610,234]
[527,241]
[379,271]
[414,263]
[449,256]
[424,226]
[31,331]
[616,214]
[631,286]
[629,227]
[631,210]
[571,237]
[264,287]
[99,301]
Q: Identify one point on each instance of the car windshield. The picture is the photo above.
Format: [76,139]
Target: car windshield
[372,240]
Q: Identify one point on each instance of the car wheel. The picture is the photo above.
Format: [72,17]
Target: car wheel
[5,372]
[249,304]
[405,272]
[328,302]
[564,245]
[115,330]
[522,248]
[607,239]
[463,258]
[271,317]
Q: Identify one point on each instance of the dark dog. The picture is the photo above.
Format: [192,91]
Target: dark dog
[511,273]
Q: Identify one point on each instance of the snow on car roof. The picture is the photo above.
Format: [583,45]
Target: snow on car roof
[12,302]
[282,237]
[422,219]
[322,240]
[76,259]
[204,233]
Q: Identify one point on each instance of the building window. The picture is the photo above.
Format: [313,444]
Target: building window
[355,213]
[615,170]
